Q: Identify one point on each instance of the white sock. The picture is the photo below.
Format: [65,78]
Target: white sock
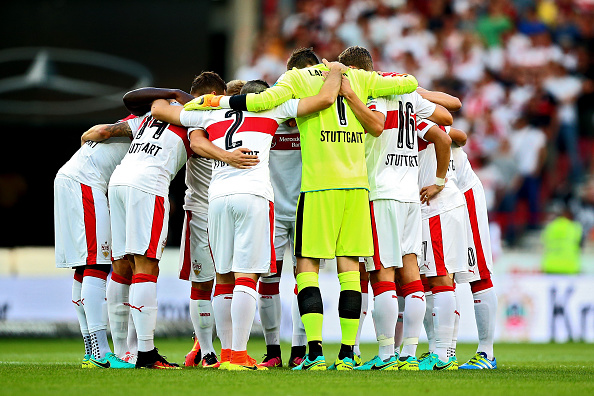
[221,305]
[364,306]
[444,306]
[143,305]
[299,337]
[485,311]
[269,306]
[414,312]
[452,349]
[119,313]
[428,321]
[202,317]
[243,310]
[385,314]
[399,331]
[132,337]
[93,295]
[80,314]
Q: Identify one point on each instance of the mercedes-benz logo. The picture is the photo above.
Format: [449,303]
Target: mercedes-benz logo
[90,95]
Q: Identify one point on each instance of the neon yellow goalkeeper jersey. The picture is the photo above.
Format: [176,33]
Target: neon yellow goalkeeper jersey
[332,141]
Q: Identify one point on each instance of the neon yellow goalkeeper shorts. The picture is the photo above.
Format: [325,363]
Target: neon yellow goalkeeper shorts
[332,223]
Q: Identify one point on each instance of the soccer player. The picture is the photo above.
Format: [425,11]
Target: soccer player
[392,167]
[444,245]
[480,257]
[83,239]
[333,211]
[241,208]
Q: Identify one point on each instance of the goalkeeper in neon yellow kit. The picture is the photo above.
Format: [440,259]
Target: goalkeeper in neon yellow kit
[333,217]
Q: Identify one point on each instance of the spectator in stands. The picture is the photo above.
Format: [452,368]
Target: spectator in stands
[562,239]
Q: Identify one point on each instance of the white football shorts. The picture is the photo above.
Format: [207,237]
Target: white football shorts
[396,228]
[480,256]
[81,220]
[241,234]
[284,233]
[195,261]
[444,244]
[139,222]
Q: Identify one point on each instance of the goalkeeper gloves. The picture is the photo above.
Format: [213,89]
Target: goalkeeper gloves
[204,102]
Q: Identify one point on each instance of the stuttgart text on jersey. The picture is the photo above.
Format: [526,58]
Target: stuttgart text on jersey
[148,147]
[341,137]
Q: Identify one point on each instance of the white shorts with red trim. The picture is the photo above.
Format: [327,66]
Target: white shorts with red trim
[396,228]
[139,222]
[195,261]
[81,221]
[444,244]
[241,234]
[284,233]
[480,256]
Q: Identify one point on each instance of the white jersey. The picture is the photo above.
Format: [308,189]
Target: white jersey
[198,175]
[94,162]
[450,197]
[285,171]
[392,158]
[157,153]
[232,129]
[465,176]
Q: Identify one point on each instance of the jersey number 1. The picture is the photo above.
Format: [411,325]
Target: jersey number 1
[341,110]
[229,143]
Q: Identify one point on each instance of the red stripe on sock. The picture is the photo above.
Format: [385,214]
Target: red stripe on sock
[426,287]
[186,262]
[120,279]
[79,277]
[247,282]
[223,288]
[140,278]
[481,285]
[382,287]
[441,289]
[95,273]
[268,288]
[365,286]
[412,287]
[196,294]
[157,227]
[90,223]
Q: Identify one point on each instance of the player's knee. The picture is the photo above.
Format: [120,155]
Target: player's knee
[310,301]
[349,304]
[100,267]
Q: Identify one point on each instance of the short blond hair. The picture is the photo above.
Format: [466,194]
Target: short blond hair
[234,87]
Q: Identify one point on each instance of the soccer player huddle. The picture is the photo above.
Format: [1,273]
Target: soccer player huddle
[334,161]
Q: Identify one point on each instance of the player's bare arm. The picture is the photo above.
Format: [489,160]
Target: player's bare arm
[450,102]
[239,158]
[441,116]
[163,111]
[458,137]
[442,152]
[372,121]
[101,132]
[328,92]
[139,100]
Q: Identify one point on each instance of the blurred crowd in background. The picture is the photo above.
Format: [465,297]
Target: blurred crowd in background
[522,68]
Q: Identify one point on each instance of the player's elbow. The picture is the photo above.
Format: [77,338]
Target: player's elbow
[376,129]
[326,101]
[446,140]
[446,119]
[456,104]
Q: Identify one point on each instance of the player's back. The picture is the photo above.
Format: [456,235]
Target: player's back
[285,171]
[465,176]
[198,177]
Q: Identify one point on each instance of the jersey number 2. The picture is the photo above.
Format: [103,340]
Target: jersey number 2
[229,143]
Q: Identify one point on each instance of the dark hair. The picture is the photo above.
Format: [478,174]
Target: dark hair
[356,56]
[254,86]
[206,83]
[301,58]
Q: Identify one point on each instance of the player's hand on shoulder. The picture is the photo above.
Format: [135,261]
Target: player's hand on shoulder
[204,102]
[335,65]
[242,158]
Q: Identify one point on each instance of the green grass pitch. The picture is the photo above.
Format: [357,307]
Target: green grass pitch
[40,367]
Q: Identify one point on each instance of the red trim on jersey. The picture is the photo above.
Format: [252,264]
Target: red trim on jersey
[296,290]
[376,256]
[196,294]
[422,144]
[273,269]
[218,129]
[130,117]
[426,287]
[382,287]
[391,120]
[289,141]
[79,277]
[365,286]
[412,287]
[372,107]
[476,235]
[422,125]
[268,289]
[437,244]
[223,288]
[120,279]
[187,255]
[183,135]
[249,124]
[95,273]
[157,227]
[142,278]
[90,223]
[245,281]
[481,285]
[442,289]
